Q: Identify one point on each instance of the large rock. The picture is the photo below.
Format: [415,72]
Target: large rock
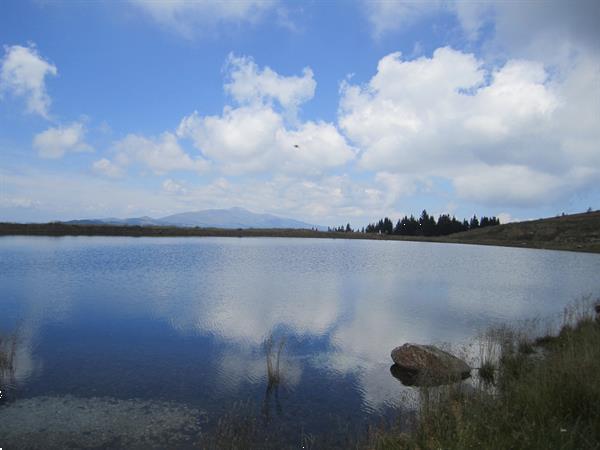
[429,365]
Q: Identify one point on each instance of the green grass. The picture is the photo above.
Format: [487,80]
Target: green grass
[537,402]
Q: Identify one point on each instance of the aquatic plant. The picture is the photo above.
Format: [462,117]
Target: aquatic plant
[8,349]
[7,352]
[273,368]
[491,345]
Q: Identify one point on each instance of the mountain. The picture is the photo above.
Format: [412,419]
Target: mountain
[208,218]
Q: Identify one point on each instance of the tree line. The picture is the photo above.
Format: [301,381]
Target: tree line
[425,225]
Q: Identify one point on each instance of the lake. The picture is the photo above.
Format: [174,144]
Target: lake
[125,342]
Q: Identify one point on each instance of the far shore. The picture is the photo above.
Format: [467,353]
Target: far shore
[579,233]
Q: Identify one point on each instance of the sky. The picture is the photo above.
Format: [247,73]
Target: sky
[326,112]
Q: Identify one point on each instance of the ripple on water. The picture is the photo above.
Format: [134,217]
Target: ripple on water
[74,422]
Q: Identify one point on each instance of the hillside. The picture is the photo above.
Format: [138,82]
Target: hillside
[578,232]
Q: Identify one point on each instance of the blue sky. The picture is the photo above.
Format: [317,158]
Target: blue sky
[326,112]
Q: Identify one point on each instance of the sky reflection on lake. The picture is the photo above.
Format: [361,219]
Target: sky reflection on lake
[185,319]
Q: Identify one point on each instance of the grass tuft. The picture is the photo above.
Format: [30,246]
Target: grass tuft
[487,372]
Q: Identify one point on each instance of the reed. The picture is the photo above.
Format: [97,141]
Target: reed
[273,360]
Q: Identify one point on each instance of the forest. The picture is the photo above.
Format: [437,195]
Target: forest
[425,225]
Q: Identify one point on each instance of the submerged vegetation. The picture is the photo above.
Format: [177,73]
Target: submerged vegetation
[8,349]
[545,394]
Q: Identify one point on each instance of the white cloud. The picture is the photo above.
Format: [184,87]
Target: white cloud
[255,139]
[328,200]
[255,136]
[162,154]
[396,186]
[107,168]
[448,116]
[508,185]
[63,195]
[241,140]
[173,187]
[23,73]
[248,84]
[190,18]
[55,142]
[552,31]
[17,202]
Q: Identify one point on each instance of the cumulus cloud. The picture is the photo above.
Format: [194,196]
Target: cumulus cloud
[254,139]
[23,74]
[161,155]
[188,18]
[255,136]
[241,139]
[248,84]
[447,115]
[55,142]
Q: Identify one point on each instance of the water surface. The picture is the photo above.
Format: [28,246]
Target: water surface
[185,320]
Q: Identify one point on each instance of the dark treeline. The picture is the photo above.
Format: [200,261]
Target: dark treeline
[425,225]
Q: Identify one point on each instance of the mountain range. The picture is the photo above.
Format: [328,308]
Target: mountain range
[208,218]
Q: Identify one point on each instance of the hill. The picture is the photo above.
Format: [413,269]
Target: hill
[579,232]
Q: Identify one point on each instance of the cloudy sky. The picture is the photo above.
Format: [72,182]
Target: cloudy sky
[326,112]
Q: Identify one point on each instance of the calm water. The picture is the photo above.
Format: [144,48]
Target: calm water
[185,320]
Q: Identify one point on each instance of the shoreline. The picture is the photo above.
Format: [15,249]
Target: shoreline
[476,237]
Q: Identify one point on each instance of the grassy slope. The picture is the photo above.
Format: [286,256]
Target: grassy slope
[578,232]
[544,402]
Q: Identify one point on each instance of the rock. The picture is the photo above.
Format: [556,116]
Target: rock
[428,365]
[409,377]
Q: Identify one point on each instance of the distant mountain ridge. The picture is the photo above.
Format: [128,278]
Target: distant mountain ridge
[209,218]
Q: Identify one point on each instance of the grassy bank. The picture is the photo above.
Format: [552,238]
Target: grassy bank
[544,393]
[577,232]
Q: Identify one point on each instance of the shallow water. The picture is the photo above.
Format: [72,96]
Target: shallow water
[185,320]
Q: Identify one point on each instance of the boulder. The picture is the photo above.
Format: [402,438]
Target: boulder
[429,365]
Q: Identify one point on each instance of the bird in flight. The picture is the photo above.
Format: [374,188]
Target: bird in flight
[296,146]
